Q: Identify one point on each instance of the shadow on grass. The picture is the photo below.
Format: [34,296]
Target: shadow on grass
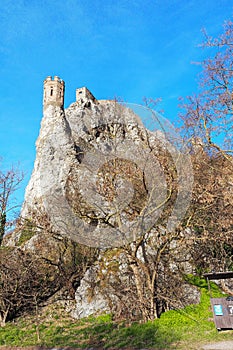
[99,334]
[135,336]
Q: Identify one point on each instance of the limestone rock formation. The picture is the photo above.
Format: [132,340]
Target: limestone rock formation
[97,181]
[89,299]
[76,150]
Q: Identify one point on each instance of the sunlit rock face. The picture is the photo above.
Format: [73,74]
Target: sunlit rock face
[54,149]
[90,300]
[92,169]
[99,179]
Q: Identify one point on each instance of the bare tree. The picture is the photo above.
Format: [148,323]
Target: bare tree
[128,197]
[28,278]
[145,278]
[210,214]
[208,116]
[22,278]
[10,181]
[208,122]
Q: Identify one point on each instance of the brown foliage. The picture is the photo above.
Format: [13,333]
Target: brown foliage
[9,183]
[25,281]
[208,115]
[42,264]
[210,215]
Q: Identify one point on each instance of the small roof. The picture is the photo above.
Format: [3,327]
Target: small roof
[218,275]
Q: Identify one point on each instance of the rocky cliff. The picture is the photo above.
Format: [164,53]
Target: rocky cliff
[101,179]
[76,151]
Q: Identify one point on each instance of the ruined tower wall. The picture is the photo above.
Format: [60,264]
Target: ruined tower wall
[83,94]
[54,91]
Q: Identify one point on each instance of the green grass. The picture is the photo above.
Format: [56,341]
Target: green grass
[183,329]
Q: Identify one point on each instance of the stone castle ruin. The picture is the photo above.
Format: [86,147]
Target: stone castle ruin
[97,181]
[54,92]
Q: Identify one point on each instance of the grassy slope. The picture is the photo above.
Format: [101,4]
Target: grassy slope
[184,329]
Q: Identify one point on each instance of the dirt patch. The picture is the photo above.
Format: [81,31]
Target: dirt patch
[223,345]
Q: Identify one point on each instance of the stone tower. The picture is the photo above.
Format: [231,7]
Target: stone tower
[54,92]
[83,94]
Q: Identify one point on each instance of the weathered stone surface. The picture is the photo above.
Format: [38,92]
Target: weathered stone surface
[89,299]
[72,149]
[54,150]
[76,150]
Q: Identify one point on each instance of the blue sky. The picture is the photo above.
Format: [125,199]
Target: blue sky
[128,49]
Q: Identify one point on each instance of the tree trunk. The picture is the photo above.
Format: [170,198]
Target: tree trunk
[2,225]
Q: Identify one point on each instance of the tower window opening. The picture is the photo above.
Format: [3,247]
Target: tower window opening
[51,92]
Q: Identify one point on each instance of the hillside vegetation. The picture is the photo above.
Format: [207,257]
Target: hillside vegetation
[188,328]
[118,222]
